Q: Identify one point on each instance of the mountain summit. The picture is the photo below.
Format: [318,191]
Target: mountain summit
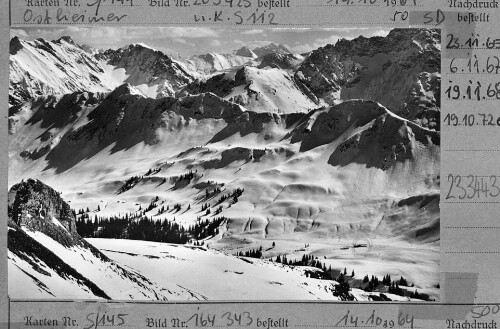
[271,48]
[40,68]
[401,71]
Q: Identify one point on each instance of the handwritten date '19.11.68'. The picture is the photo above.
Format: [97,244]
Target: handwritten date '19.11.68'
[473,187]
[472,91]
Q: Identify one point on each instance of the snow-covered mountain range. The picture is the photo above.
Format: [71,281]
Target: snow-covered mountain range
[333,155]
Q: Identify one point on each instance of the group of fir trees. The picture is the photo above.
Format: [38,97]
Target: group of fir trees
[153,171]
[144,228]
[254,253]
[189,176]
[129,183]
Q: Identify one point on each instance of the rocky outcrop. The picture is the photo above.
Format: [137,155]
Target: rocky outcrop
[246,52]
[281,61]
[40,208]
[271,48]
[144,65]
[400,71]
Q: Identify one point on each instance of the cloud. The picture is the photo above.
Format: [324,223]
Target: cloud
[189,32]
[215,43]
[19,33]
[239,42]
[109,36]
[320,42]
[180,40]
[253,31]
[380,33]
[193,40]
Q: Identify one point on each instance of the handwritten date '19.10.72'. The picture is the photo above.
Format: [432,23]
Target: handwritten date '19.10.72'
[472,120]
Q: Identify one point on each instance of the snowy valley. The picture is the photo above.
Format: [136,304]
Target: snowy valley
[137,176]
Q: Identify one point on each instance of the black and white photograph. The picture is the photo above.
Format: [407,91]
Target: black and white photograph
[224,164]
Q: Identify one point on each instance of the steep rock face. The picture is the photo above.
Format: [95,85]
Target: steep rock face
[400,71]
[368,133]
[144,65]
[74,127]
[38,207]
[385,141]
[43,67]
[328,124]
[53,116]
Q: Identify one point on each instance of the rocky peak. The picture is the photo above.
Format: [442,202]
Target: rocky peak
[271,48]
[134,50]
[408,59]
[282,61]
[15,45]
[397,40]
[65,38]
[38,207]
[245,52]
[124,89]
[148,66]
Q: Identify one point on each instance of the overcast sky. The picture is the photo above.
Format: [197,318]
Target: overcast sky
[197,40]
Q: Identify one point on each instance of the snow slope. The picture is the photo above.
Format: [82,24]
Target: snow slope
[201,271]
[46,68]
[270,90]
[42,68]
[297,186]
